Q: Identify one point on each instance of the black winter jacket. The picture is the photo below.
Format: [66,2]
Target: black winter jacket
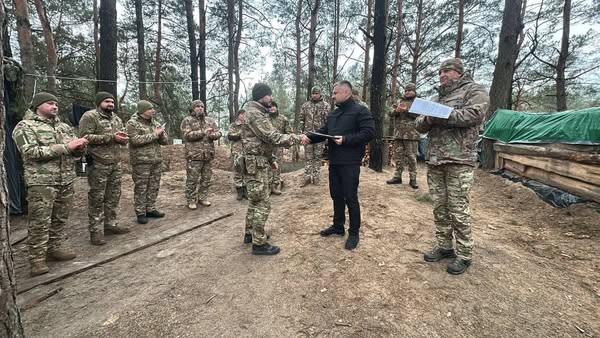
[355,123]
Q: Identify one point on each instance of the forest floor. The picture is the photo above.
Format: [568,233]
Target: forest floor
[534,274]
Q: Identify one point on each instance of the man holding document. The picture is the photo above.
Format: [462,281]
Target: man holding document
[453,132]
[349,128]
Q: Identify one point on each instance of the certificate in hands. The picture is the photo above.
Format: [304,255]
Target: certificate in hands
[322,135]
[428,108]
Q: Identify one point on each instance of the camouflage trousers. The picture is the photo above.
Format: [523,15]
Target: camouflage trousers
[405,154]
[275,175]
[259,200]
[49,208]
[197,181]
[238,170]
[449,185]
[312,170]
[146,178]
[104,195]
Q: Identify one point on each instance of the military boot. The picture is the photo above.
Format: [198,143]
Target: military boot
[116,230]
[205,203]
[141,219]
[438,254]
[413,183]
[265,249]
[155,214]
[245,192]
[97,238]
[395,180]
[333,230]
[351,242]
[61,255]
[192,206]
[306,182]
[240,193]
[247,238]
[458,266]
[38,268]
[276,189]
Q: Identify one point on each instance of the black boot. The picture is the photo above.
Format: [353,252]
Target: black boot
[458,266]
[351,242]
[413,183]
[247,238]
[245,192]
[333,230]
[395,180]
[240,193]
[438,253]
[142,219]
[265,249]
[155,214]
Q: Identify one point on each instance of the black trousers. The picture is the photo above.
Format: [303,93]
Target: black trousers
[343,188]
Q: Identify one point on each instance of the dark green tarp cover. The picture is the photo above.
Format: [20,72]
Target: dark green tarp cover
[573,126]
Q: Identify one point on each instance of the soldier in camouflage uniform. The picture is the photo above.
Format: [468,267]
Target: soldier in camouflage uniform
[356,98]
[282,125]
[406,137]
[146,136]
[48,148]
[235,136]
[104,131]
[452,157]
[312,116]
[258,139]
[199,132]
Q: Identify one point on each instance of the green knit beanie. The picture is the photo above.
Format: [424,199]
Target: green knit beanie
[143,105]
[101,96]
[40,98]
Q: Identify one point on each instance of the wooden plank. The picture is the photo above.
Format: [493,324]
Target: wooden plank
[499,161]
[515,167]
[579,171]
[565,154]
[575,187]
[76,266]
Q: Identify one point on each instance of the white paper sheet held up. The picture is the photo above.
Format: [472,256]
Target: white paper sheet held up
[428,108]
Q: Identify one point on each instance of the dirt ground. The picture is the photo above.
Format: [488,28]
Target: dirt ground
[535,272]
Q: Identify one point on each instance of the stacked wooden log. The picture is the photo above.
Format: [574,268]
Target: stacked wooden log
[572,168]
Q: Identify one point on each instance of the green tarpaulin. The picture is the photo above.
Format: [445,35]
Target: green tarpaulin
[573,126]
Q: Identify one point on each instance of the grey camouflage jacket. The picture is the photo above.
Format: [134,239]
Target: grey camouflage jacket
[199,146]
[144,144]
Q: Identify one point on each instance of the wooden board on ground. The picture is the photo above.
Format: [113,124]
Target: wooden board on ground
[578,171]
[549,151]
[76,266]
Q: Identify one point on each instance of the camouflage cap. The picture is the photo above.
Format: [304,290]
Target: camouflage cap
[101,96]
[410,86]
[260,90]
[453,64]
[197,103]
[42,97]
[315,90]
[143,106]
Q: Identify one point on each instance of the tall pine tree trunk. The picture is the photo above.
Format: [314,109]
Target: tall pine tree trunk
[298,76]
[417,50]
[10,317]
[312,45]
[336,40]
[26,47]
[561,65]
[189,15]
[396,68]
[108,47]
[378,83]
[236,57]
[96,41]
[50,46]
[501,89]
[461,23]
[141,44]
[202,51]
[230,57]
[367,50]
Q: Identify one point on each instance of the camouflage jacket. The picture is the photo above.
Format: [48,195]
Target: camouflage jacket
[312,115]
[259,136]
[43,145]
[404,122]
[235,136]
[282,124]
[454,140]
[144,144]
[198,145]
[100,129]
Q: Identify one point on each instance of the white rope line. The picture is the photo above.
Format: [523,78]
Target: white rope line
[110,81]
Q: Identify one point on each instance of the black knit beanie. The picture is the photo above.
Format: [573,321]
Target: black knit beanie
[40,98]
[260,90]
[101,96]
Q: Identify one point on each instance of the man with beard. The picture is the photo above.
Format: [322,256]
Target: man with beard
[200,133]
[406,137]
[258,139]
[352,127]
[105,134]
[452,157]
[312,117]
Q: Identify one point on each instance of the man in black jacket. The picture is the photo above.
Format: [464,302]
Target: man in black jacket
[351,127]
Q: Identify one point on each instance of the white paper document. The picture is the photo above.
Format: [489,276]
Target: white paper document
[428,108]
